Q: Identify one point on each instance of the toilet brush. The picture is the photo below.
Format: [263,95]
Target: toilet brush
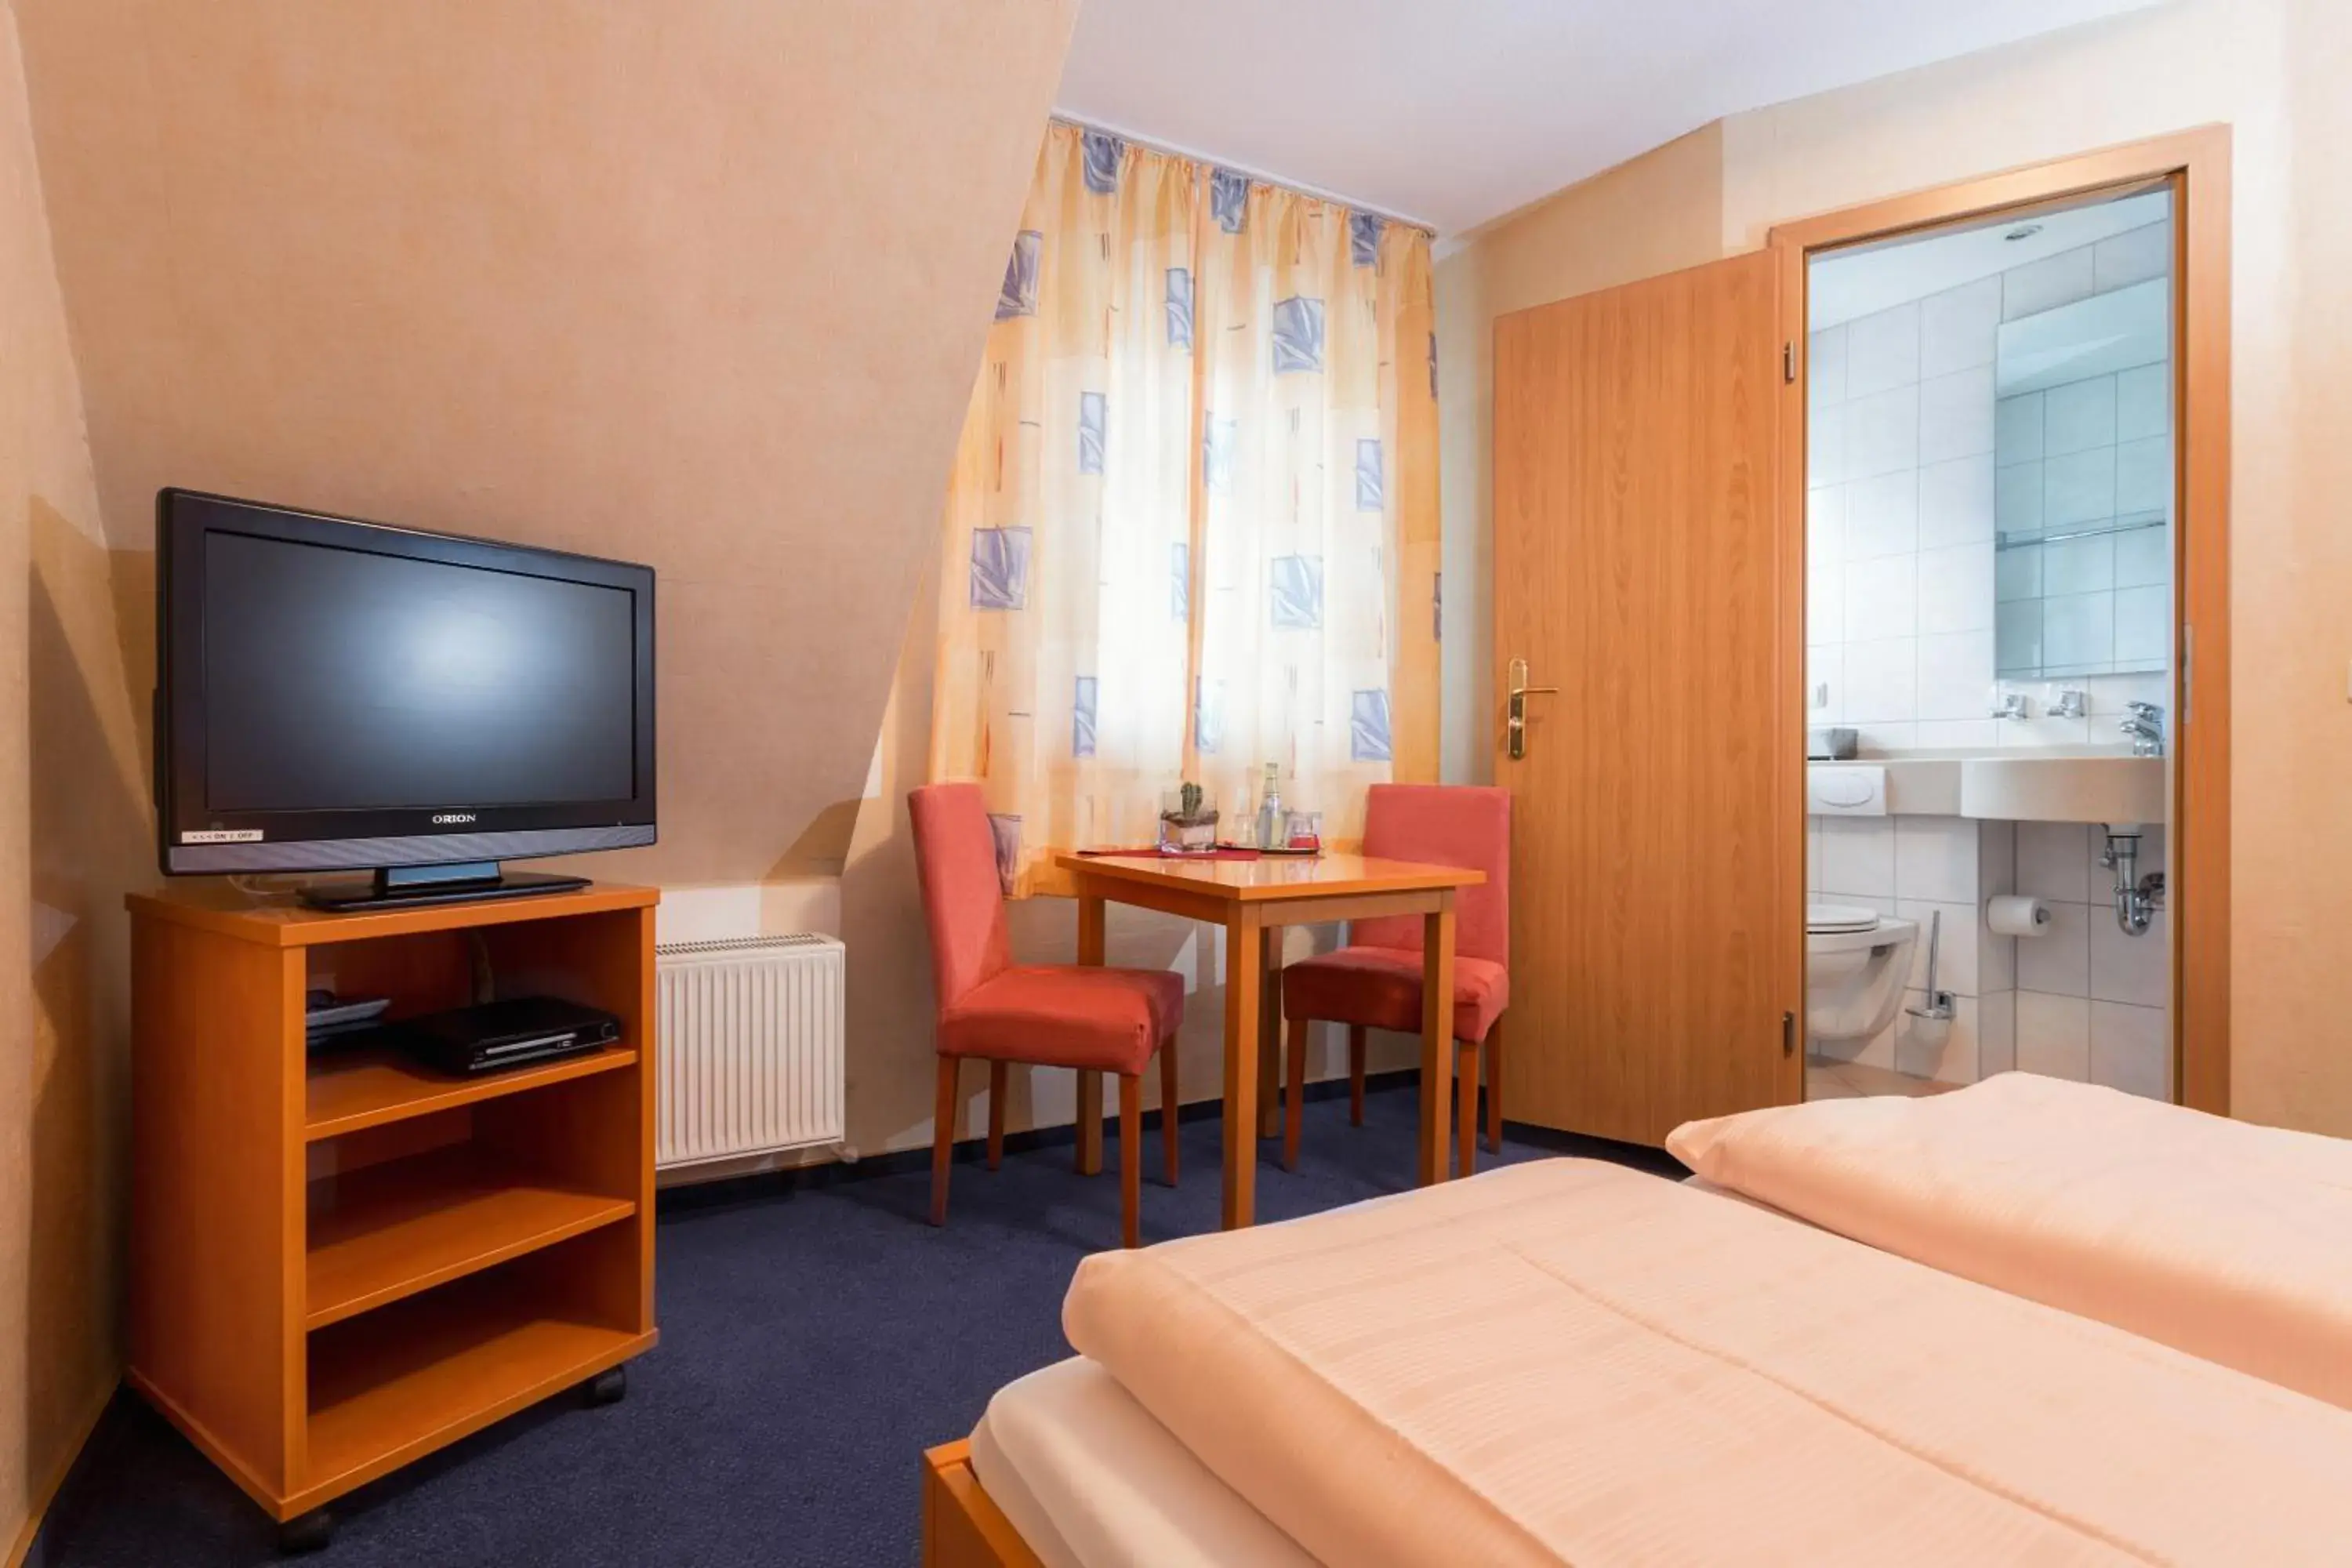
[1932,1025]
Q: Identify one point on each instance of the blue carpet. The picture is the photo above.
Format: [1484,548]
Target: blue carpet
[816,1338]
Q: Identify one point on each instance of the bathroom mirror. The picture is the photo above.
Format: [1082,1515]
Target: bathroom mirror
[2083,462]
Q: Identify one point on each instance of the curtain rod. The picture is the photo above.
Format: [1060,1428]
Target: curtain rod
[1173,151]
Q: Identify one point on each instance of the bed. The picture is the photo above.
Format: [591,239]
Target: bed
[1569,1362]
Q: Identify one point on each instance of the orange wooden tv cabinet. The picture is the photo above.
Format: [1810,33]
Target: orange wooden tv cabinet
[339,1263]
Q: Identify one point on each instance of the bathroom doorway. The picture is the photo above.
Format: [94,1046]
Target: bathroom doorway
[2009,442]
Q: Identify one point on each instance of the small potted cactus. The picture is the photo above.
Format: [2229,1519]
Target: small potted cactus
[1188,821]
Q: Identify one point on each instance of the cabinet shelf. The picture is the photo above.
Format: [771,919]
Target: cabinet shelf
[436,1367]
[392,1231]
[369,1087]
[466,1245]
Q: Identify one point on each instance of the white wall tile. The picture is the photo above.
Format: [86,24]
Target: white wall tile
[1882,350]
[1825,604]
[1825,445]
[1955,590]
[2144,558]
[1812,856]
[1959,328]
[2131,1049]
[1826,525]
[1882,682]
[2053,1035]
[1996,859]
[2053,862]
[2017,497]
[1935,859]
[1882,599]
[2078,629]
[2045,285]
[1882,432]
[2078,566]
[1825,367]
[2143,625]
[1882,516]
[1878,739]
[1996,1033]
[1956,505]
[2016,428]
[2144,402]
[2132,257]
[1955,671]
[2078,416]
[1825,683]
[2043,730]
[2058,961]
[2132,969]
[1858,856]
[2144,476]
[2079,488]
[1956,417]
[1961,734]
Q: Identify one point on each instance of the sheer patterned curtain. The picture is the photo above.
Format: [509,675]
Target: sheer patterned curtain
[1158,565]
[1319,641]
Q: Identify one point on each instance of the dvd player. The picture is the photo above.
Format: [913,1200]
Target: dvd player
[498,1035]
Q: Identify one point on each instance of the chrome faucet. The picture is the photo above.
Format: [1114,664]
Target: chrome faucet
[2144,722]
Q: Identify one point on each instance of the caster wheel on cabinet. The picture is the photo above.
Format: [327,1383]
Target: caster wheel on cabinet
[607,1387]
[311,1531]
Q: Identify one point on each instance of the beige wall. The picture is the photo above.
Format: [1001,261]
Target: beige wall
[701,285]
[2271,69]
[62,795]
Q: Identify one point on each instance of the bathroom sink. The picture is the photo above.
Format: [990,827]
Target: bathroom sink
[2063,786]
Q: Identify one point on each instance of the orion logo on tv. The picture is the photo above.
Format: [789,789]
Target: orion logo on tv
[451,818]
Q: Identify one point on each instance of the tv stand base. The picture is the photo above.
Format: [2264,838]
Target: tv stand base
[414,887]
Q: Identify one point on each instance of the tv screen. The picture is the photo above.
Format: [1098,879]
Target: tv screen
[334,694]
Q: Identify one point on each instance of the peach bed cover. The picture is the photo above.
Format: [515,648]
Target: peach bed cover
[2229,1241]
[1568,1361]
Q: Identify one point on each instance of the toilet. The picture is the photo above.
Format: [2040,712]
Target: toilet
[1857,961]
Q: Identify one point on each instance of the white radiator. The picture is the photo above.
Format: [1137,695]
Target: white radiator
[751,1046]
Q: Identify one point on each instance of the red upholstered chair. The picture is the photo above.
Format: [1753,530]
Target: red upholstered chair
[1092,1018]
[1375,981]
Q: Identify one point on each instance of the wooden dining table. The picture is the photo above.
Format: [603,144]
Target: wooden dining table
[1252,899]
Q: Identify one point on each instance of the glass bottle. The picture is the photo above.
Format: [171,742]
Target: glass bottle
[1271,818]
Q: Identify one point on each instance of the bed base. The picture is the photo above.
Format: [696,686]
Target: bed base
[963,1526]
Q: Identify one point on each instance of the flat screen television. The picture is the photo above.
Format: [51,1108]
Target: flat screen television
[336,695]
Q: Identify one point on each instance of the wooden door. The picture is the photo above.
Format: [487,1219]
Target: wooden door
[1643,567]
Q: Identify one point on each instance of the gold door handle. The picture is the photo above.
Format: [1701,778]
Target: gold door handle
[1515,722]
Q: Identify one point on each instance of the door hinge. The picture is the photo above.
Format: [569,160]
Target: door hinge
[1787,1033]
[1789,361]
[2187,676]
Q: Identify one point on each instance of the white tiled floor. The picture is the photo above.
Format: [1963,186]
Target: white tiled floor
[1826,1080]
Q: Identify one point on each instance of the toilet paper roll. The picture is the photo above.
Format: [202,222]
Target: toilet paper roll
[2014,914]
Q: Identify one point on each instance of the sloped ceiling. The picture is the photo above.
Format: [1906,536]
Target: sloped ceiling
[1456,113]
[701,285]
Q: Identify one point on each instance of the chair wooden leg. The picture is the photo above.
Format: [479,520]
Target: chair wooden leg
[943,1118]
[996,1114]
[1294,1092]
[1466,1108]
[1355,1075]
[1495,1087]
[1091,1121]
[1130,1159]
[1171,1106]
